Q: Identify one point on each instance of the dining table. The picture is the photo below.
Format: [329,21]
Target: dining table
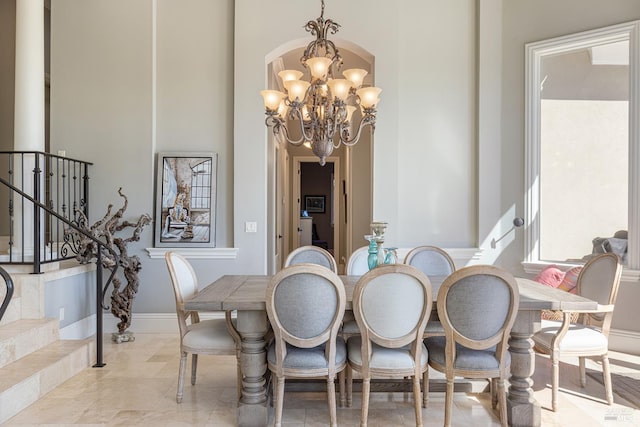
[246,295]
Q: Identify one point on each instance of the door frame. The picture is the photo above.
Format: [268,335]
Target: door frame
[296,200]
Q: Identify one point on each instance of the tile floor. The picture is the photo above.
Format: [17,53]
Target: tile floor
[138,386]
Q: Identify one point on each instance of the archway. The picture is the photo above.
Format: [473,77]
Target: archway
[353,213]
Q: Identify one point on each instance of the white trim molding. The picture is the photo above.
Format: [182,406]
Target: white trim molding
[167,323]
[535,53]
[461,256]
[624,341]
[196,253]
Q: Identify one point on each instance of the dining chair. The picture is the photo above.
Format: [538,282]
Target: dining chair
[391,304]
[477,306]
[432,261]
[305,304]
[357,265]
[211,336]
[598,280]
[312,255]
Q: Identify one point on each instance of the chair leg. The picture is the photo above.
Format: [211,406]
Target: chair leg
[583,371]
[425,388]
[341,382]
[274,385]
[502,397]
[494,392]
[279,402]
[331,396]
[448,403]
[349,386]
[181,373]
[416,400]
[555,380]
[366,383]
[194,368]
[606,375]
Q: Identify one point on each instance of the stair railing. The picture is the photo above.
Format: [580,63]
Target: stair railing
[7,296]
[70,245]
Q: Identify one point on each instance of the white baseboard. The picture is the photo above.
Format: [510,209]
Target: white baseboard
[624,341]
[167,323]
[144,323]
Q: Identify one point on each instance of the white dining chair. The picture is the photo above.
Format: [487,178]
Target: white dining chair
[212,336]
[357,265]
[358,262]
[598,280]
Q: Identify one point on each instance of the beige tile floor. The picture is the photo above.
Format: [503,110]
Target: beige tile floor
[138,386]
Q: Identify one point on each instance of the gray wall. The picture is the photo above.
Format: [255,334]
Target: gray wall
[446,171]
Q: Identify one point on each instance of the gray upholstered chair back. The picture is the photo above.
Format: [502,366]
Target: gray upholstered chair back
[392,304]
[305,304]
[358,263]
[599,280]
[431,260]
[477,306]
[312,255]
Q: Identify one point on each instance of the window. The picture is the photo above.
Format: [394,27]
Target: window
[201,185]
[582,144]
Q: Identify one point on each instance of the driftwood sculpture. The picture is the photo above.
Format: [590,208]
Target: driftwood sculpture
[105,230]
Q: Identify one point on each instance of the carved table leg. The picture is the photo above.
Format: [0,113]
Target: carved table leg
[522,408]
[252,408]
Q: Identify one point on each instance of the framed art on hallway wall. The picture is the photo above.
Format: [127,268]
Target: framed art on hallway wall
[185,199]
[314,204]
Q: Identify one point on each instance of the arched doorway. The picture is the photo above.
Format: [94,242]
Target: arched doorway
[350,191]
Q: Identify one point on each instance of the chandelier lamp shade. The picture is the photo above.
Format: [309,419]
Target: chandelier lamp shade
[321,109]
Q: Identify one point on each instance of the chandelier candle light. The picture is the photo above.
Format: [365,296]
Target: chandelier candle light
[323,107]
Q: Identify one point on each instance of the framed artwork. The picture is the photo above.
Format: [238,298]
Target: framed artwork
[314,204]
[185,200]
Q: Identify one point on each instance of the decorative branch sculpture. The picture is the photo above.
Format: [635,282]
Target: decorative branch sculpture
[105,230]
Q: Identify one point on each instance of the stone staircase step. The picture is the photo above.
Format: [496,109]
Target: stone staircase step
[26,380]
[21,337]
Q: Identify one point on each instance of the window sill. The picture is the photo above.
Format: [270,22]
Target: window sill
[196,253]
[628,275]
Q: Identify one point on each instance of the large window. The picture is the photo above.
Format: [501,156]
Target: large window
[582,156]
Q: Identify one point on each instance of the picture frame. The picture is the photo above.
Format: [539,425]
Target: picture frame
[314,204]
[186,187]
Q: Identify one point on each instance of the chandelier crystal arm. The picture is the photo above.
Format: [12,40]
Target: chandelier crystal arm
[280,129]
[369,119]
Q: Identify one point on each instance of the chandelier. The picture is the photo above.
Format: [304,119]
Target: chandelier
[321,109]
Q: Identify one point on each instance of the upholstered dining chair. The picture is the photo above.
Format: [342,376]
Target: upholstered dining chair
[432,261]
[212,336]
[589,336]
[358,262]
[305,304]
[477,306]
[312,255]
[391,304]
[357,265]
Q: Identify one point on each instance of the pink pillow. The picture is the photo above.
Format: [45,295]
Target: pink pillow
[570,280]
[550,276]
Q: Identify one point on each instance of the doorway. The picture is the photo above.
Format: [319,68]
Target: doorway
[316,204]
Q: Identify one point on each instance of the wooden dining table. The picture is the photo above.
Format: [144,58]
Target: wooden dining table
[246,295]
